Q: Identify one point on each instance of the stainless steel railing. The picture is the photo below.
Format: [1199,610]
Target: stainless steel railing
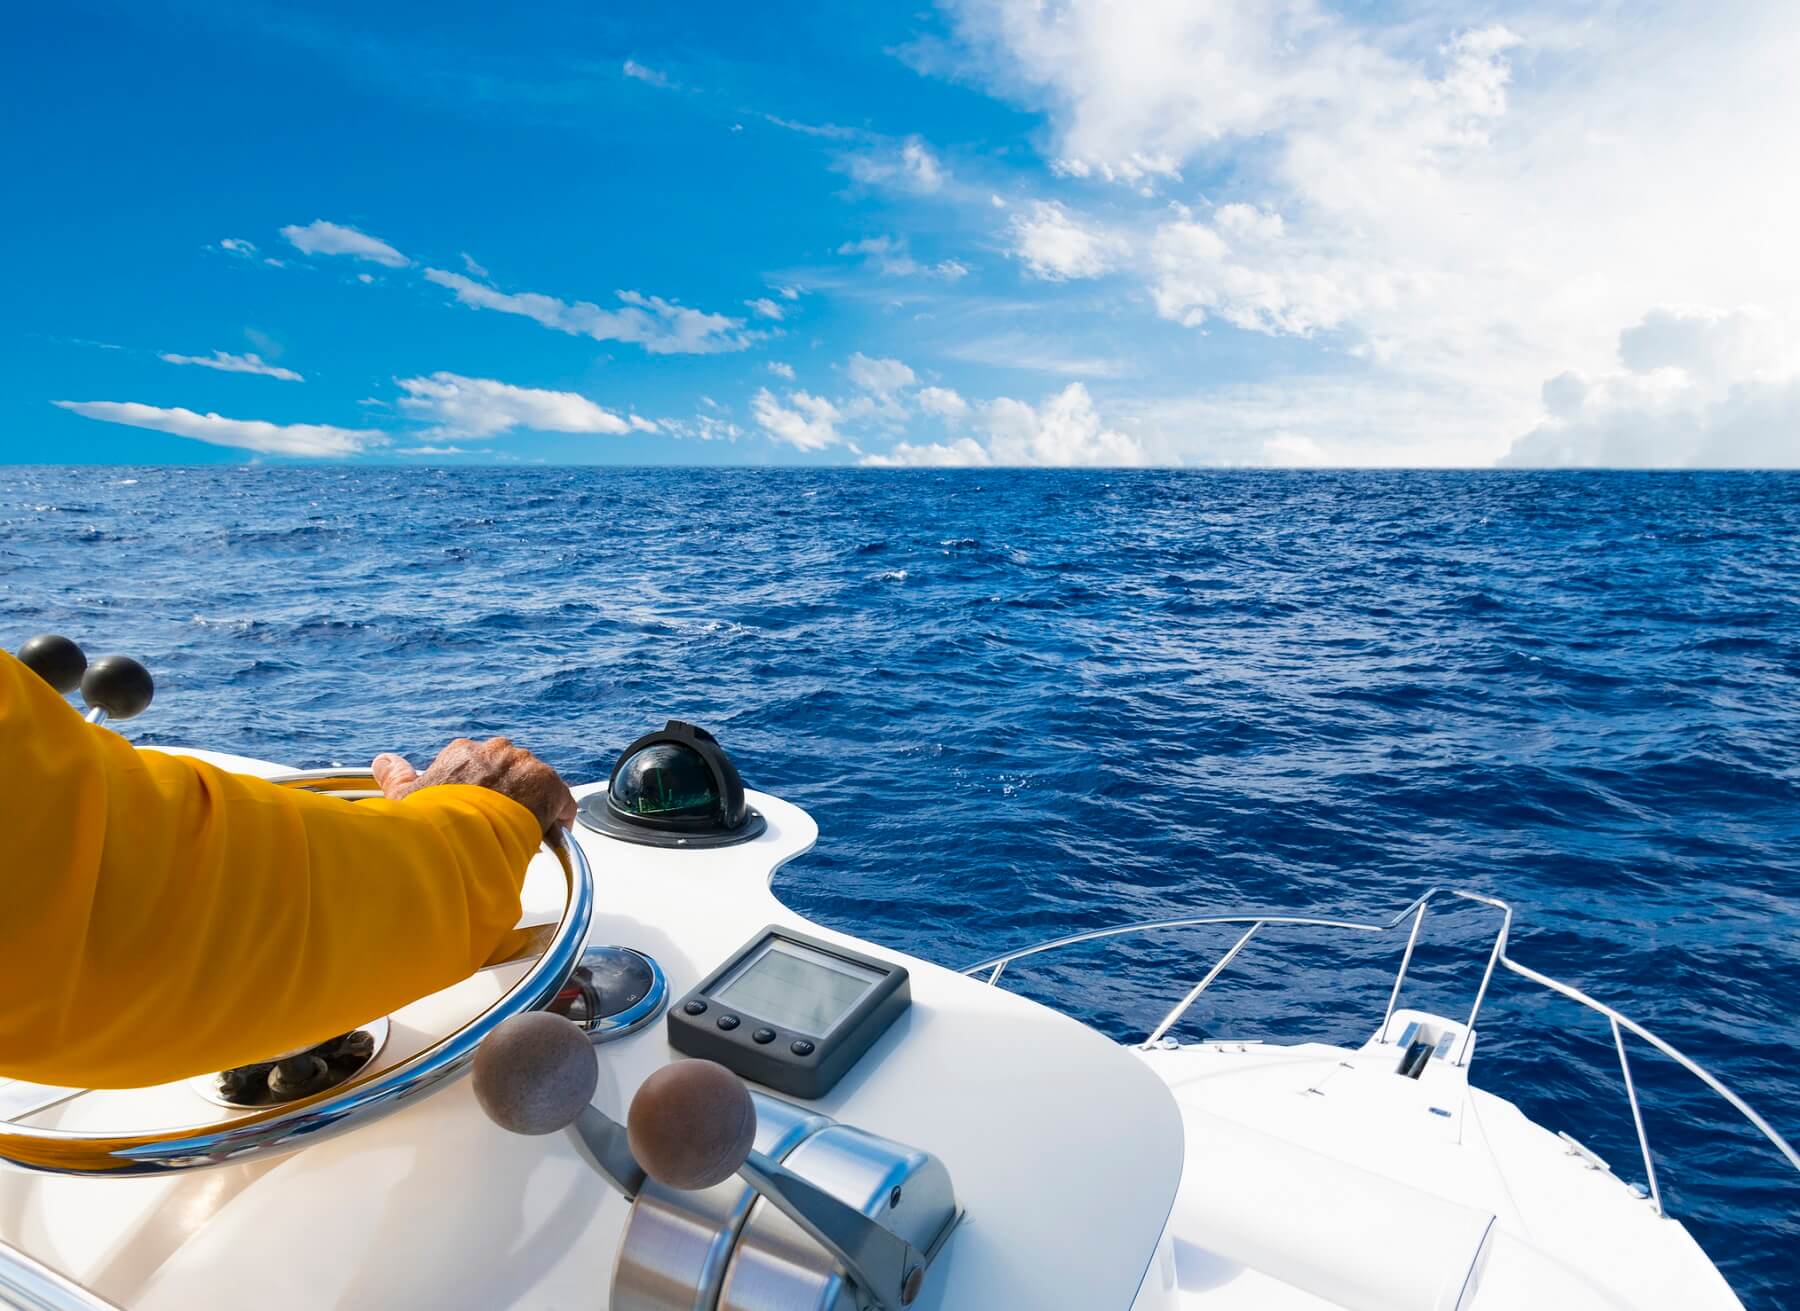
[27,1284]
[995,966]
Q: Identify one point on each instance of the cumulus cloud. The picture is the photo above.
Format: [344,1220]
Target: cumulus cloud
[781,370]
[1464,211]
[1057,246]
[806,422]
[882,377]
[942,402]
[1243,269]
[1065,430]
[1698,388]
[250,362]
[322,238]
[661,327]
[238,246]
[764,308]
[481,407]
[913,167]
[298,439]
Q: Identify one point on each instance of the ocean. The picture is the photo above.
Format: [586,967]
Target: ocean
[1027,703]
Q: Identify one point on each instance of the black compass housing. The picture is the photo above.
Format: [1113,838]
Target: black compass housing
[675,787]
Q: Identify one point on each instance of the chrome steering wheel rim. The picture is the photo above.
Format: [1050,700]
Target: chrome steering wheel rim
[273,1130]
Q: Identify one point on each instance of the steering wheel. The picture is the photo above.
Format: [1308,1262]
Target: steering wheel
[272,1130]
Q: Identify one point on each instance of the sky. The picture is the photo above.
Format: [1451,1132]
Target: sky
[1008,232]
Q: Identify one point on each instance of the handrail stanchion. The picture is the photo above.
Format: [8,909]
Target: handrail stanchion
[1637,1117]
[1497,957]
[1487,975]
[1200,987]
[1405,961]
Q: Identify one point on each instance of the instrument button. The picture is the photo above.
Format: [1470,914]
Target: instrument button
[728,1022]
[695,1007]
[764,1035]
[801,1047]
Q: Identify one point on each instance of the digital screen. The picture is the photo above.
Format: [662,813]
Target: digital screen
[798,988]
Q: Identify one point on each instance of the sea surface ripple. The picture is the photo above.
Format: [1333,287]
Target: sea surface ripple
[1022,704]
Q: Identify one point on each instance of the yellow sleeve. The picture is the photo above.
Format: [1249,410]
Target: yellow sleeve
[160,917]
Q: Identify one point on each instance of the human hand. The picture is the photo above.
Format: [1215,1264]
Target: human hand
[495,763]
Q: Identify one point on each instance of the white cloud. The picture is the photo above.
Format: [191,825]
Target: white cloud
[913,167]
[890,255]
[765,308]
[1056,246]
[1243,270]
[788,293]
[1465,211]
[1698,388]
[238,246]
[781,370]
[322,238]
[641,424]
[1065,430]
[660,326]
[807,422]
[481,407]
[1018,350]
[881,377]
[473,267]
[249,362]
[830,131]
[942,402]
[302,439]
[633,69]
[704,427]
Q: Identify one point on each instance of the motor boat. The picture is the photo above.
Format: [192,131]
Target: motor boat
[670,1092]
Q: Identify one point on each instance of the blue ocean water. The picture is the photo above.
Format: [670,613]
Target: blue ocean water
[1027,703]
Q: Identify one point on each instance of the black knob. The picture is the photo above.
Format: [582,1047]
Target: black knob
[55,659]
[118,685]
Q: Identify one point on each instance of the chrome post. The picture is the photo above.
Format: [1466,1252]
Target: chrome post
[95,716]
[1412,940]
[1637,1118]
[1200,987]
[27,1284]
[995,976]
[1487,977]
[886,1267]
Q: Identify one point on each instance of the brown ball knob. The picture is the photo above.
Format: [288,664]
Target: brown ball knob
[535,1073]
[691,1124]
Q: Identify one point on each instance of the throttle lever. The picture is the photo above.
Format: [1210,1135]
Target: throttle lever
[690,1126]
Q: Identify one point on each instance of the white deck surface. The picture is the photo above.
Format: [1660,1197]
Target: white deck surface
[1065,1149]
[1567,1237]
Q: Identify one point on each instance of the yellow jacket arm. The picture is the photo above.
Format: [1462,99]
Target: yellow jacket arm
[160,917]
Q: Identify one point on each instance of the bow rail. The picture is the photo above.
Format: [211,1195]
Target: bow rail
[995,966]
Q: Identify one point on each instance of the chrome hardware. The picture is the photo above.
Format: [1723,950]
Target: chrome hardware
[995,966]
[29,1285]
[282,1128]
[828,1212]
[683,1241]
[613,992]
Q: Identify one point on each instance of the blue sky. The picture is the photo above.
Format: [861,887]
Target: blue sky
[1269,232]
